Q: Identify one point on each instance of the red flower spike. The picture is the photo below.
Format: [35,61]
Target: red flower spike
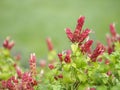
[25,77]
[67,59]
[42,63]
[109,41]
[14,79]
[77,36]
[86,47]
[49,44]
[80,23]
[8,44]
[78,29]
[19,72]
[51,66]
[32,58]
[112,30]
[32,63]
[60,57]
[98,51]
[69,33]
[84,35]
[110,50]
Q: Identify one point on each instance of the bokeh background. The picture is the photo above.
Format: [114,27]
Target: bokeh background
[29,22]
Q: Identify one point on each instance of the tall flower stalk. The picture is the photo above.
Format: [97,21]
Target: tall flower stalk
[32,63]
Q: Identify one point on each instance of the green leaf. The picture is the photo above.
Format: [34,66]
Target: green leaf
[66,67]
[67,78]
[73,65]
[82,77]
[80,62]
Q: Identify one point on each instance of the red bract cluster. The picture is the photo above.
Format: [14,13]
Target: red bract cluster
[86,47]
[98,51]
[8,44]
[65,57]
[112,30]
[11,83]
[28,82]
[77,35]
[19,72]
[32,63]
[25,83]
[49,44]
[112,39]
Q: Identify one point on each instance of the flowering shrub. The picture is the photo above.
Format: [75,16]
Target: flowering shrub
[79,68]
[6,60]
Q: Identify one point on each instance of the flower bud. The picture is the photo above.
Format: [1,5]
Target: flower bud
[112,30]
[51,66]
[60,56]
[67,59]
[49,44]
[8,44]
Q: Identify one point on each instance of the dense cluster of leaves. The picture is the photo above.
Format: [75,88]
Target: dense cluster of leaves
[79,68]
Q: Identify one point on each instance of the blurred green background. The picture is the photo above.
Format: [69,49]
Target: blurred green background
[29,22]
